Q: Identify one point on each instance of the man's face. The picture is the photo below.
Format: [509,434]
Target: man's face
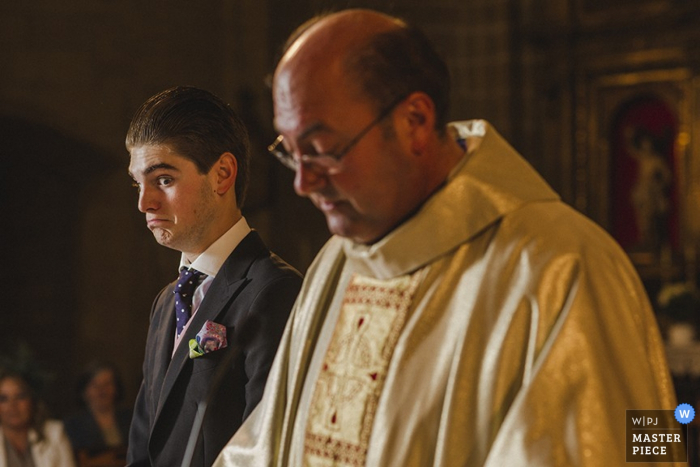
[178,201]
[371,193]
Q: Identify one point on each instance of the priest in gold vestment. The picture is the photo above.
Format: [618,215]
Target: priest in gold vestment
[461,315]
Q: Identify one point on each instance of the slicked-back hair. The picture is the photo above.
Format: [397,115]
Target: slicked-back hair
[398,62]
[198,126]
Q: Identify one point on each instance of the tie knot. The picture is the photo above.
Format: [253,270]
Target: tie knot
[184,290]
[188,281]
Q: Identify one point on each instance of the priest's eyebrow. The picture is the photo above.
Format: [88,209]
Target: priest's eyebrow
[154,167]
[314,128]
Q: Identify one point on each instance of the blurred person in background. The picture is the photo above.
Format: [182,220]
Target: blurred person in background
[27,437]
[101,426]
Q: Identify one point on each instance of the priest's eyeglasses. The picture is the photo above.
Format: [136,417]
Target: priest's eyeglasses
[329,163]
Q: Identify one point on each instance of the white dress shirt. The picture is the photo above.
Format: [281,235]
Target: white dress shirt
[209,263]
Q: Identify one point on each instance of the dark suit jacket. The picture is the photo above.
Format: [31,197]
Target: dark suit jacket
[252,296]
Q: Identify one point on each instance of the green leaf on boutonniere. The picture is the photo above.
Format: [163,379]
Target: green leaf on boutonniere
[195,350]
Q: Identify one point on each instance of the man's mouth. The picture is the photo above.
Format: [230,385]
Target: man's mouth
[153,223]
[327,205]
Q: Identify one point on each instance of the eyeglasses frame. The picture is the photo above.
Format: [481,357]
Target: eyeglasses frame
[329,162]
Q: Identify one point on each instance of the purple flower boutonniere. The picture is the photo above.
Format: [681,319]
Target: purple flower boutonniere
[210,338]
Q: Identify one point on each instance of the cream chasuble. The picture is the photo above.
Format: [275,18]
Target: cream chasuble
[527,336]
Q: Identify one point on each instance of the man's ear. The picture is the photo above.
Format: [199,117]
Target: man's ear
[420,113]
[223,173]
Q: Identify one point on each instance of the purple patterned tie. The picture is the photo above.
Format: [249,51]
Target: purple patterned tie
[184,290]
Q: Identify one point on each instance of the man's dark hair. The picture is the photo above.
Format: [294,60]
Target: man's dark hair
[394,63]
[197,125]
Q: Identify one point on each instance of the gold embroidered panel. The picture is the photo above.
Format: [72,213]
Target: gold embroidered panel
[345,398]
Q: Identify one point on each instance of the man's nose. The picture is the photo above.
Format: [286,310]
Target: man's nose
[147,199]
[308,179]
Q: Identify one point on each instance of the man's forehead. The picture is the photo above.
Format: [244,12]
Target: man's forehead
[149,157]
[310,71]
[306,101]
[299,110]
[298,84]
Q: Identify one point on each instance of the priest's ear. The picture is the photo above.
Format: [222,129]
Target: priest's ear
[416,117]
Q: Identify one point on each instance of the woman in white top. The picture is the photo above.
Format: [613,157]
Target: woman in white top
[27,439]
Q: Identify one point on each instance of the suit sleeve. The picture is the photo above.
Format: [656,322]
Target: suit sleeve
[139,431]
[269,312]
[137,453]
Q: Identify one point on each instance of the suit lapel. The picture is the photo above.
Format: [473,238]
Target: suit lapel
[164,337]
[226,285]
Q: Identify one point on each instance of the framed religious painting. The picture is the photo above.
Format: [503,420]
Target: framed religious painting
[639,166]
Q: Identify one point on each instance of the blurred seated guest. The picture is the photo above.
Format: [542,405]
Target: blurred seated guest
[27,438]
[101,425]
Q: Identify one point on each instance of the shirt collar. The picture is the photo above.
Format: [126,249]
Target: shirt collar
[211,260]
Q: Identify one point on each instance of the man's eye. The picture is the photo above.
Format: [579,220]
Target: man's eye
[164,181]
[325,149]
[136,185]
[314,150]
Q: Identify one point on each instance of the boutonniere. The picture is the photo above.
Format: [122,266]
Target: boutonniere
[210,338]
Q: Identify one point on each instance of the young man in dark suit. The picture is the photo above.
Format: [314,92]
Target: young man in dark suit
[189,160]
